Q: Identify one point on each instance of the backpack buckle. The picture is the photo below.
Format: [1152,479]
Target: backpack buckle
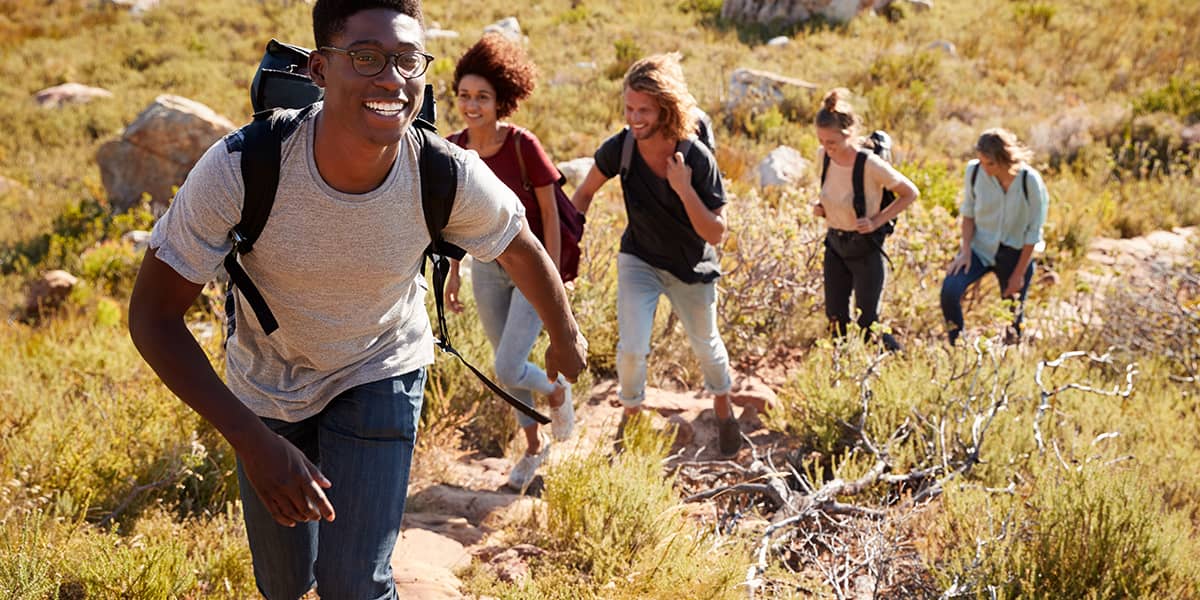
[240,244]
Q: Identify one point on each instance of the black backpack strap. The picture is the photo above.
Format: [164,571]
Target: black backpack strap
[824,167]
[974,176]
[261,144]
[1025,184]
[626,153]
[684,146]
[860,194]
[439,182]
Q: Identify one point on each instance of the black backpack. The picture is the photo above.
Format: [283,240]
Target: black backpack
[1024,182]
[282,95]
[881,144]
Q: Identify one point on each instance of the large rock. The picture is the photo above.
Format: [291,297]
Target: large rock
[47,294]
[69,93]
[576,169]
[508,27]
[157,150]
[423,564]
[751,88]
[787,12]
[783,166]
[1191,135]
[135,7]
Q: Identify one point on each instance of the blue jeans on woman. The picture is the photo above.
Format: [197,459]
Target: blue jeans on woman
[363,443]
[512,327]
[956,285]
[639,286]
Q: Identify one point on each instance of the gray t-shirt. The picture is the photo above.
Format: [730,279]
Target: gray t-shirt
[341,272]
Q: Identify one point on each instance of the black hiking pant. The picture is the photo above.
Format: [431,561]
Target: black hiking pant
[853,263]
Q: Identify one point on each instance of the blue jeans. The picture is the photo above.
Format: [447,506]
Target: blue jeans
[512,327]
[639,286]
[956,285]
[363,443]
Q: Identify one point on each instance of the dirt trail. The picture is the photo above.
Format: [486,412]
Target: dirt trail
[451,522]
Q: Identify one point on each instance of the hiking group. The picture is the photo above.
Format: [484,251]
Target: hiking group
[326,367]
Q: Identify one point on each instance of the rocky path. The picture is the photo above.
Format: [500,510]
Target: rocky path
[462,518]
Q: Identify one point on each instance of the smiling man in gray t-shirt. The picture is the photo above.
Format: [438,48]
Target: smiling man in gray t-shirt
[323,411]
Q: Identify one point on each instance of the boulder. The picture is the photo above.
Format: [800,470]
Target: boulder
[783,166]
[576,169]
[508,27]
[790,12]
[1191,135]
[761,89]
[137,238]
[157,150]
[135,7]
[46,295]
[69,93]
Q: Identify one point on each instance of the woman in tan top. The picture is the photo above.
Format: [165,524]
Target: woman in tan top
[854,258]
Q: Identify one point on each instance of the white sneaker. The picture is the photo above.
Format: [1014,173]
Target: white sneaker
[523,473]
[562,417]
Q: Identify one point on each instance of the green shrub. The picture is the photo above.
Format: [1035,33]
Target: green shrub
[1180,96]
[614,530]
[1034,14]
[1091,533]
[626,53]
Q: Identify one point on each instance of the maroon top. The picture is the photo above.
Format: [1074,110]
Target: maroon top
[538,168]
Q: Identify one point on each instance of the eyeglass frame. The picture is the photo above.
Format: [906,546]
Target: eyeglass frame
[389,60]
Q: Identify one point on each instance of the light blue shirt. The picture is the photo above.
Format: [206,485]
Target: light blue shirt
[1013,218]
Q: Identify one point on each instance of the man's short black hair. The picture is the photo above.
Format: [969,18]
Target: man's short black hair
[329,16]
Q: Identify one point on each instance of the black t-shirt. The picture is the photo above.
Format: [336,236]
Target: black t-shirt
[659,231]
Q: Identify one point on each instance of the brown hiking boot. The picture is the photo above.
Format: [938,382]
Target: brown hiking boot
[729,435]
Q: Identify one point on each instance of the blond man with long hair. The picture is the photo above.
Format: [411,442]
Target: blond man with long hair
[675,200]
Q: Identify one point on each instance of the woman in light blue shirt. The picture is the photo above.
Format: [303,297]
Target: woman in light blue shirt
[1003,211]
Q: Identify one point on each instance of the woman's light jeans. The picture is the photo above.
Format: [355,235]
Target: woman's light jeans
[512,327]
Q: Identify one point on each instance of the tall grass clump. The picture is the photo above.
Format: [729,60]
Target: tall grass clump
[613,526]
[1095,532]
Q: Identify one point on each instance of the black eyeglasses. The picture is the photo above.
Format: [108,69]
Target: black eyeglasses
[369,63]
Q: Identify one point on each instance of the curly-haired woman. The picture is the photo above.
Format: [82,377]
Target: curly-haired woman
[489,81]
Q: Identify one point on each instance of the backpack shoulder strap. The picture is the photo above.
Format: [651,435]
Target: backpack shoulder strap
[974,176]
[516,133]
[685,146]
[824,167]
[261,145]
[860,194]
[1025,184]
[439,183]
[626,152]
